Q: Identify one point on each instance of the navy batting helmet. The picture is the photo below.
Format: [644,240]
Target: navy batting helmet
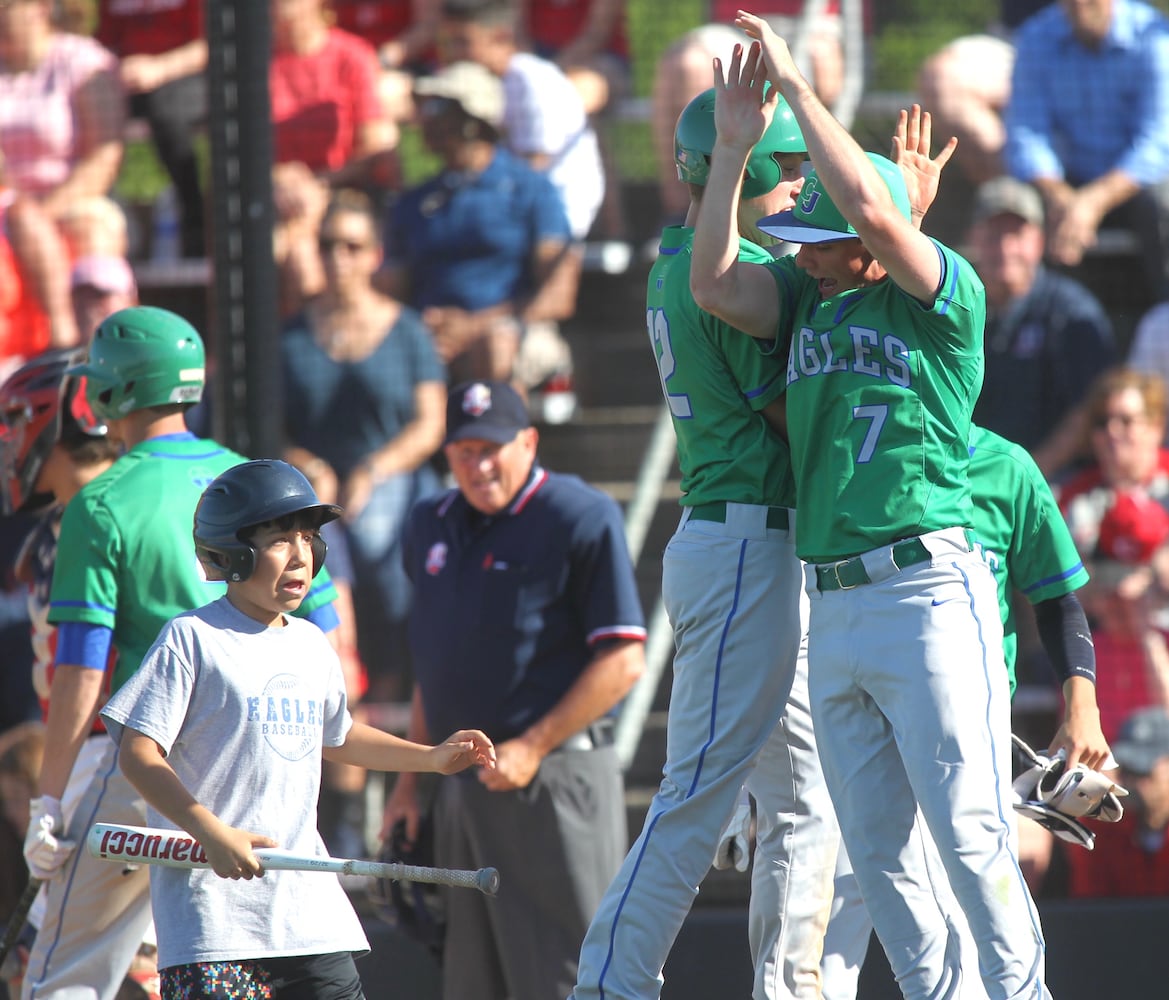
[37,402]
[244,496]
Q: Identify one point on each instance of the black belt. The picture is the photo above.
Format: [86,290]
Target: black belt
[593,737]
[849,573]
[776,516]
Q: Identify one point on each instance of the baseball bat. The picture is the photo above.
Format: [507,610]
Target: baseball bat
[176,849]
[19,916]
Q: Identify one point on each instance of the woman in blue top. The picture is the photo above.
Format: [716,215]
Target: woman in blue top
[365,394]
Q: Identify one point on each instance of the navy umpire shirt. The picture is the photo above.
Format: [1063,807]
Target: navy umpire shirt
[508,610]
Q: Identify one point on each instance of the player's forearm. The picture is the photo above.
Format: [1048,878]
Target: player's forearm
[73,703]
[1079,697]
[149,772]
[376,750]
[1066,637]
[714,265]
[605,681]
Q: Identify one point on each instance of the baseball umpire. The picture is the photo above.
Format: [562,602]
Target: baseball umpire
[884,368]
[733,589]
[526,625]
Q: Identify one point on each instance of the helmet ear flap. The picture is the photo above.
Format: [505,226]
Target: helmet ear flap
[763,174]
[241,563]
[319,547]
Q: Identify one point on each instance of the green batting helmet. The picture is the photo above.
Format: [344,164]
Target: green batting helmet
[141,357]
[694,137]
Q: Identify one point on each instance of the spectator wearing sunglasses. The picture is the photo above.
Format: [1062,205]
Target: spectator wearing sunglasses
[365,398]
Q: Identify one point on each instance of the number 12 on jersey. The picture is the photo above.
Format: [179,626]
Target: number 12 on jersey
[659,334]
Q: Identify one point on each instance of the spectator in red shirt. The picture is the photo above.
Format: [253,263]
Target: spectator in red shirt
[328,130]
[1131,858]
[163,53]
[1126,607]
[404,34]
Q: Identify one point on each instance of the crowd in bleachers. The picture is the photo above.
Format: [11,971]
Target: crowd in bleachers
[389,289]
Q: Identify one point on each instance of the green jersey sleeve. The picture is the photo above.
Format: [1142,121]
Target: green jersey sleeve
[715,380]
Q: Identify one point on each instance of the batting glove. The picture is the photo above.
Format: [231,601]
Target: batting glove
[734,844]
[44,850]
[1059,798]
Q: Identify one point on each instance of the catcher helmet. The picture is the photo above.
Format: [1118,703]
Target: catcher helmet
[140,357]
[415,908]
[694,137]
[36,401]
[244,496]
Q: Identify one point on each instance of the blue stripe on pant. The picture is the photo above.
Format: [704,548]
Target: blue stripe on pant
[733,593]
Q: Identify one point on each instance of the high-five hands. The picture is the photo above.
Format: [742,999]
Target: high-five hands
[911,152]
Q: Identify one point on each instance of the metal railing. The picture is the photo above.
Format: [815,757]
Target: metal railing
[659,644]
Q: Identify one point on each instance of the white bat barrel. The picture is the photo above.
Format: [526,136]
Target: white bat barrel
[175,849]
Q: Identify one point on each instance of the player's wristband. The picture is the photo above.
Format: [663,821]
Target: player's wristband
[1063,629]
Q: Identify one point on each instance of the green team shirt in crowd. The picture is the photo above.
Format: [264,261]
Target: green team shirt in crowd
[1020,531]
[880,391]
[126,559]
[715,380]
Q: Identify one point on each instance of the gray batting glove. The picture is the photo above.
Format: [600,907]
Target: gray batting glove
[44,850]
[734,844]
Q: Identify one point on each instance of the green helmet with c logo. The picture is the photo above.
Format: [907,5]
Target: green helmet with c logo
[694,137]
[141,357]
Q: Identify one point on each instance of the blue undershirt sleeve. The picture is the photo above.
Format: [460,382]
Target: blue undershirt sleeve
[84,644]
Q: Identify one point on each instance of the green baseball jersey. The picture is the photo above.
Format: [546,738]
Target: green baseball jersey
[1020,531]
[126,559]
[715,380]
[880,391]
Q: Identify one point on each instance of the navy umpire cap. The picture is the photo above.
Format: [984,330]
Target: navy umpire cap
[485,411]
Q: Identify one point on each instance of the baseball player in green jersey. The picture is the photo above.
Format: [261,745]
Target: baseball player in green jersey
[125,566]
[733,588]
[908,688]
[1021,534]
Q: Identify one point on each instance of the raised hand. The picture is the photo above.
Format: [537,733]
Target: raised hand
[777,57]
[741,111]
[911,152]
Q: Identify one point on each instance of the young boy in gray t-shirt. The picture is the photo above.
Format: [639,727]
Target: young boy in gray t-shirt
[223,729]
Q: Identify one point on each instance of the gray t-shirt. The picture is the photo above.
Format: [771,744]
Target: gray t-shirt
[242,712]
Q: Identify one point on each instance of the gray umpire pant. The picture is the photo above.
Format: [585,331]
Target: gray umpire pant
[557,844]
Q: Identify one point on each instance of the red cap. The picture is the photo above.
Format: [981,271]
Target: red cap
[1133,528]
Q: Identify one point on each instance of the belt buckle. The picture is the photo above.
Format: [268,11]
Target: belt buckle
[840,584]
